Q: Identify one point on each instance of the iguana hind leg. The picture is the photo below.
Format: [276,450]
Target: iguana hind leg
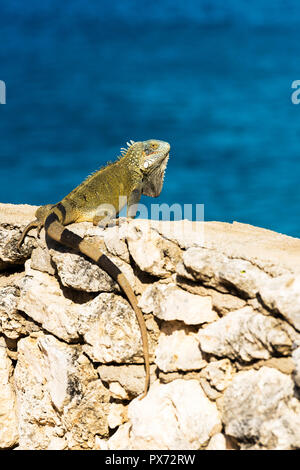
[41,214]
[35,223]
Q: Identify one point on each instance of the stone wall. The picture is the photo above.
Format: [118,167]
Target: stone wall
[222,308]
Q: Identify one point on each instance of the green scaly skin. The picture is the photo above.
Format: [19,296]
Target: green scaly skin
[100,198]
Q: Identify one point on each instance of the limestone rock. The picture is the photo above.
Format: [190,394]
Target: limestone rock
[219,374]
[189,419]
[282,294]
[120,440]
[107,322]
[222,302]
[169,302]
[117,391]
[296,360]
[12,323]
[13,220]
[71,316]
[9,299]
[217,442]
[8,419]
[217,270]
[226,274]
[259,410]
[152,253]
[88,417]
[115,241]
[178,349]
[130,379]
[209,391]
[10,278]
[185,233]
[117,415]
[283,364]
[110,330]
[167,377]
[42,299]
[272,252]
[61,403]
[37,418]
[246,335]
[77,272]
[41,260]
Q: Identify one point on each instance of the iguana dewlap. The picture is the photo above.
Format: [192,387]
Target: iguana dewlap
[100,198]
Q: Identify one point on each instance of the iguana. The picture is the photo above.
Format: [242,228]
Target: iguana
[139,170]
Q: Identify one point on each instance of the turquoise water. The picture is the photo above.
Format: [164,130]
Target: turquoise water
[213,78]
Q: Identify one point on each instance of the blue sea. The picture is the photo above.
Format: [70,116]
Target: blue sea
[213,78]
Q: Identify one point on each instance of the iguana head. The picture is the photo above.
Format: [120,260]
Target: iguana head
[154,164]
[151,157]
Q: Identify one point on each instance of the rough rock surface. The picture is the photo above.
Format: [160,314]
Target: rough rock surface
[246,335]
[168,302]
[189,427]
[260,410]
[61,401]
[222,309]
[178,348]
[8,419]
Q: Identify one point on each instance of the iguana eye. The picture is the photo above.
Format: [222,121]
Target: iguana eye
[150,148]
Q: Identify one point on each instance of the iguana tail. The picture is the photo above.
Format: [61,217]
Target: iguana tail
[59,233]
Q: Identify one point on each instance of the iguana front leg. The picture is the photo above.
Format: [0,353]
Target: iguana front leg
[133,202]
[105,220]
[108,216]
